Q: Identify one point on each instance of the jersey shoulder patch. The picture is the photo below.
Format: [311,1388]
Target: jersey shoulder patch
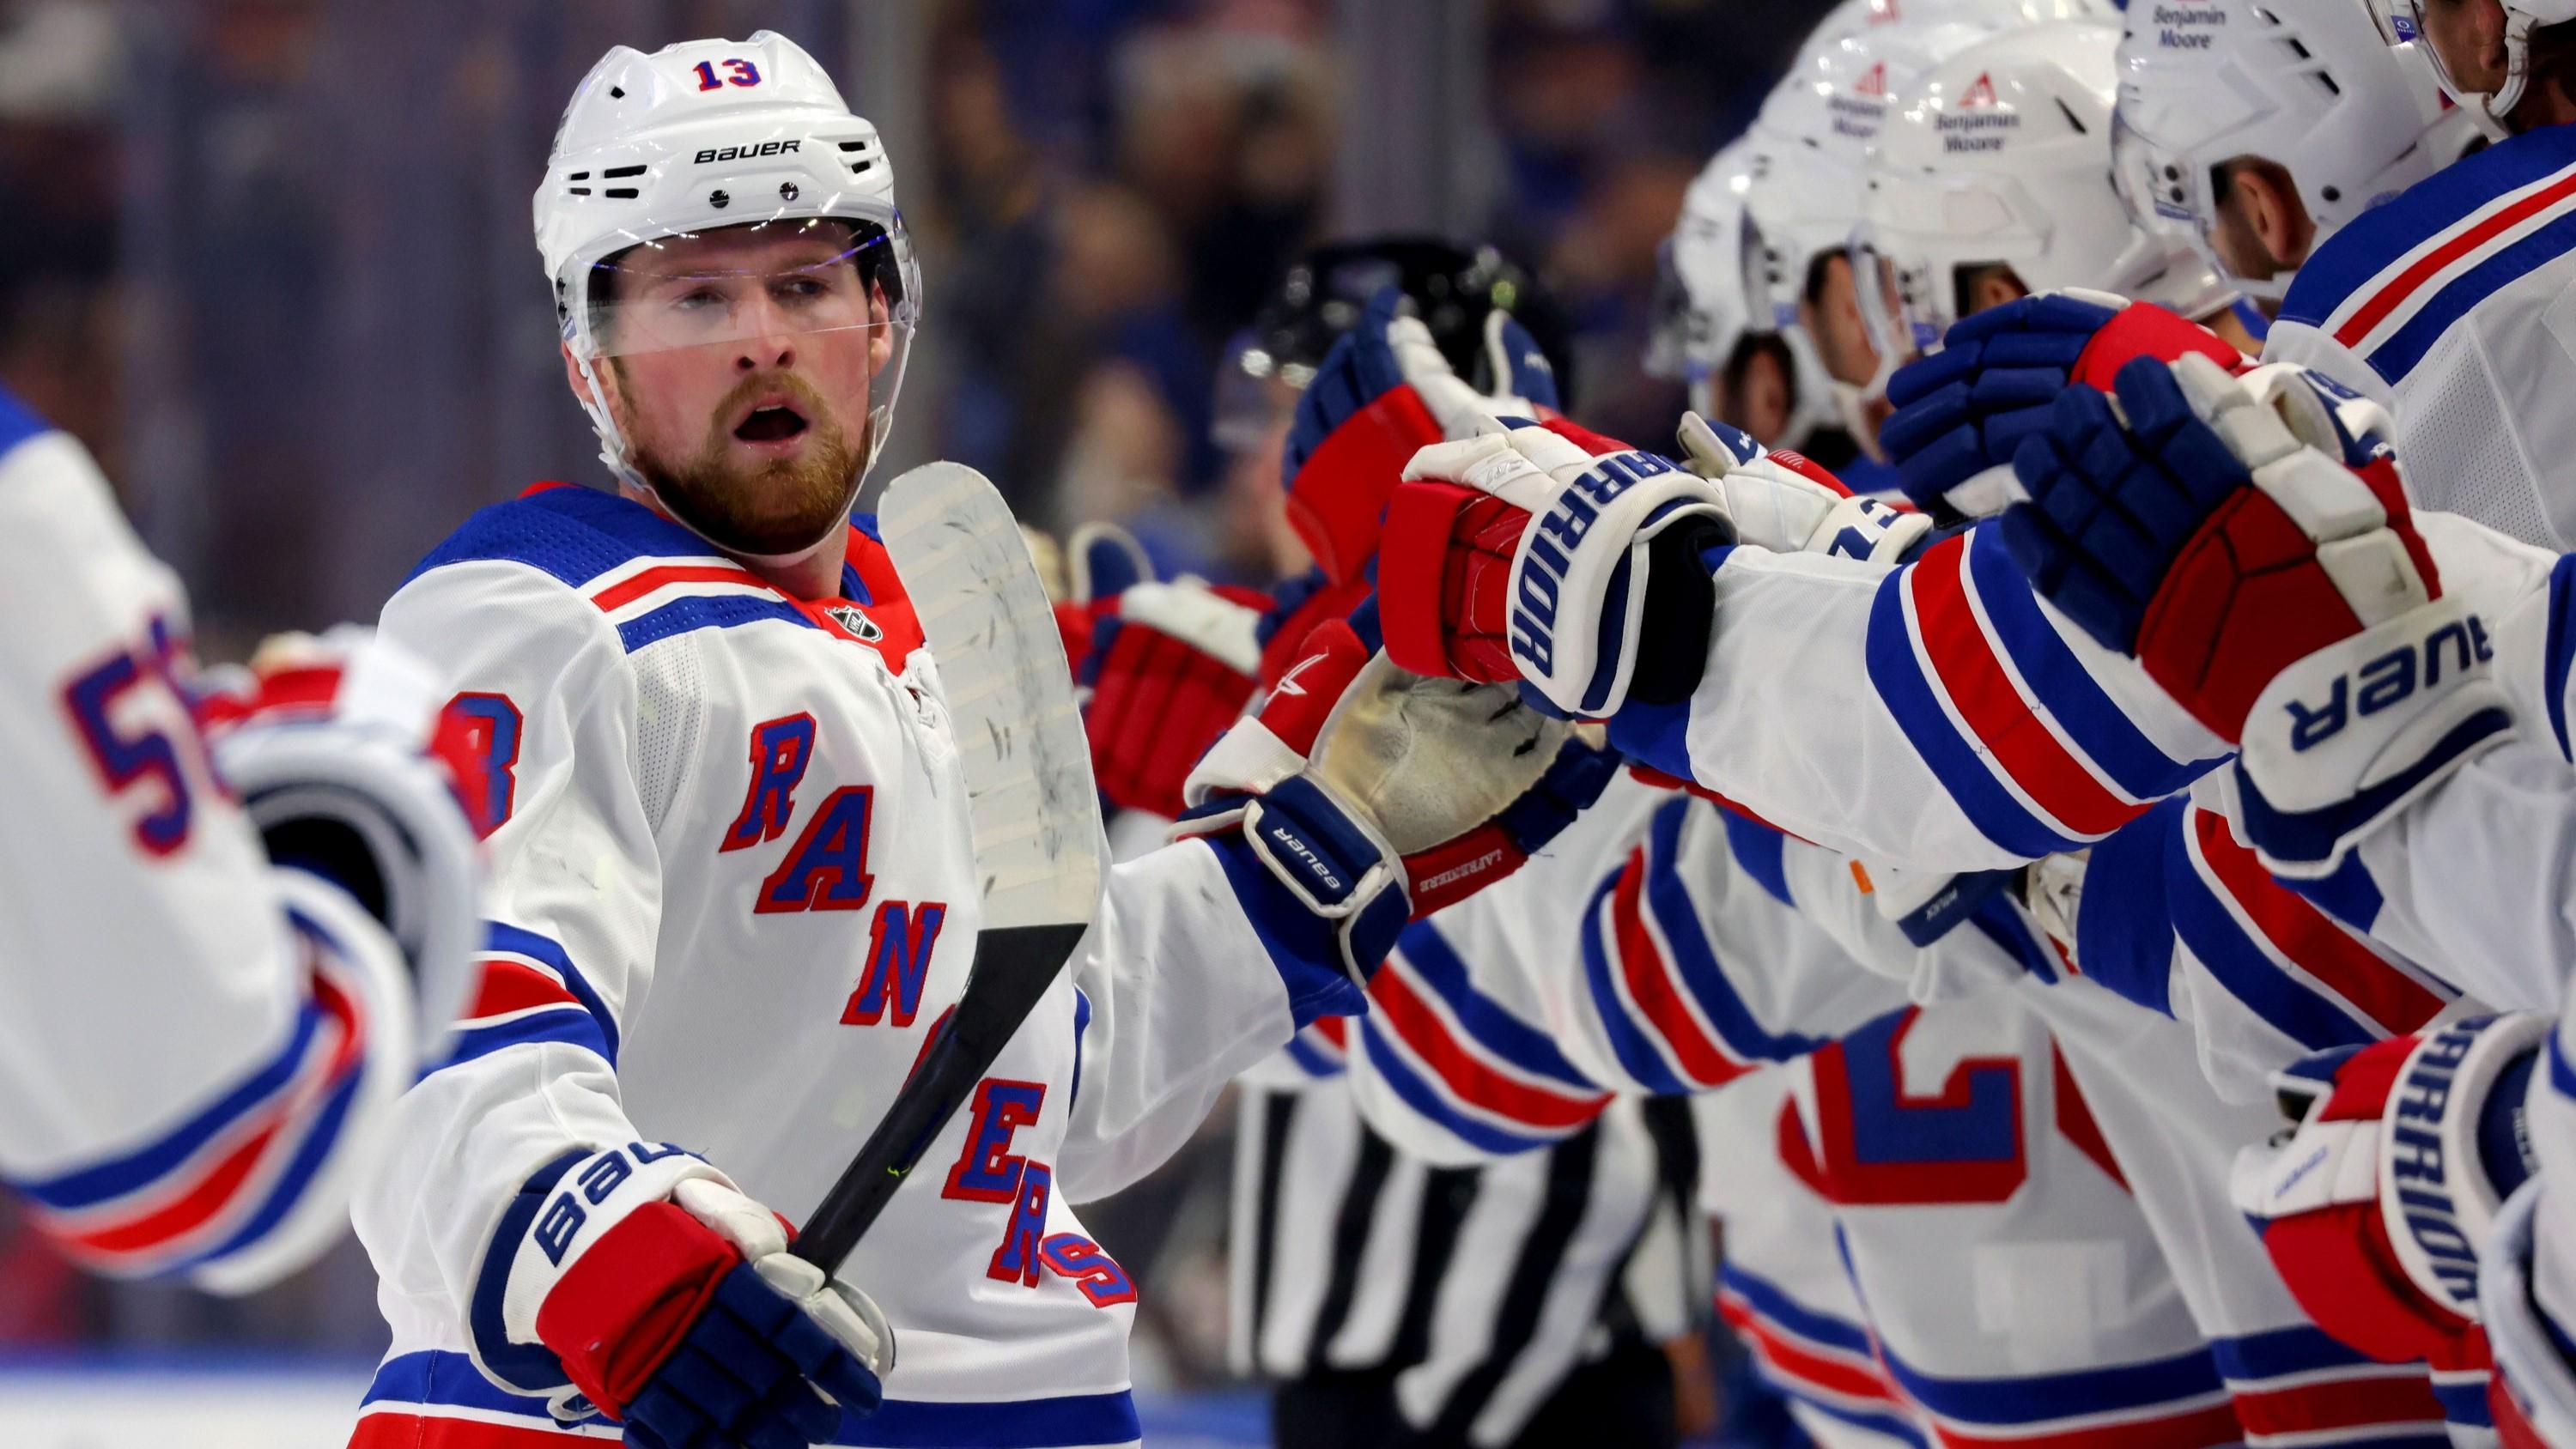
[2389,284]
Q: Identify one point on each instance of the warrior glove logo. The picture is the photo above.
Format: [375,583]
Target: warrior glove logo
[1555,538]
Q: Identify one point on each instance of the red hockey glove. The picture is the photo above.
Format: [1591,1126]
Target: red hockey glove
[2375,1208]
[638,1284]
[2249,542]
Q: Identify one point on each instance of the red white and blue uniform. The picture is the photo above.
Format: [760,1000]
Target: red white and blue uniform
[194,1050]
[733,891]
[2029,1132]
[2448,305]
[1934,715]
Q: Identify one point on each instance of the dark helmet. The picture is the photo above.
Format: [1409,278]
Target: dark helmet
[1453,290]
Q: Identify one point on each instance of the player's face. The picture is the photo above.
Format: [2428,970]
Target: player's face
[2468,35]
[1832,315]
[740,368]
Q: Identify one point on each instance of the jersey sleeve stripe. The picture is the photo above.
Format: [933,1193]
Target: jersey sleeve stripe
[257,1173]
[1426,959]
[1800,1367]
[1969,667]
[161,1158]
[1388,1063]
[1638,1055]
[1902,681]
[2305,940]
[1761,851]
[2124,933]
[2298,1387]
[1313,1055]
[1438,1044]
[1672,916]
[2167,1401]
[2035,648]
[545,951]
[2561,645]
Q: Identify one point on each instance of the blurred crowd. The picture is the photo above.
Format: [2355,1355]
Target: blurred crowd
[270,260]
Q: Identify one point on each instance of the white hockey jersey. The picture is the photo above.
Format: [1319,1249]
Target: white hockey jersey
[2455,305]
[2024,1120]
[733,892]
[195,1049]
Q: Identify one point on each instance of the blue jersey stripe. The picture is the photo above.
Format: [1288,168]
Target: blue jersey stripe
[520,941]
[2561,643]
[1486,1023]
[288,1190]
[1433,1105]
[1669,901]
[563,1026]
[141,1167]
[2239,964]
[1897,674]
[2281,1352]
[2042,1397]
[723,611]
[2394,358]
[1636,1052]
[1761,851]
[18,422]
[2124,934]
[1773,1303]
[573,534]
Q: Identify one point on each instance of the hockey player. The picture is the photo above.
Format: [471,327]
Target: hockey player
[1996,185]
[201,1043]
[2259,131]
[732,887]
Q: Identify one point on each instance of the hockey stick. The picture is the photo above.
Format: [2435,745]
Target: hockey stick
[1028,788]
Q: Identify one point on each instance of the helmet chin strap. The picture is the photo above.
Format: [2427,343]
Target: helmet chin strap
[613,450]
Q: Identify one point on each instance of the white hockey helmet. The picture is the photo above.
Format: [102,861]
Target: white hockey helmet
[2309,85]
[2005,159]
[1704,302]
[2436,24]
[721,135]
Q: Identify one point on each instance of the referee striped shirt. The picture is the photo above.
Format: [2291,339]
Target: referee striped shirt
[1480,1287]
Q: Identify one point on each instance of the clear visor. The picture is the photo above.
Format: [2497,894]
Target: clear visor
[1903,307]
[2447,32]
[746,285]
[779,335]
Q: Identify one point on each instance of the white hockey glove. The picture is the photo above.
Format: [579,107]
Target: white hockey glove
[638,1283]
[1373,796]
[1529,554]
[1782,502]
[333,744]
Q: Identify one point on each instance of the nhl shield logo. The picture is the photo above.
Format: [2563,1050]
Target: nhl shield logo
[849,617]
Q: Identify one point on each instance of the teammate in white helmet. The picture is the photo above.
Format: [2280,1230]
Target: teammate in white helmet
[1995,183]
[733,886]
[201,1040]
[2256,131]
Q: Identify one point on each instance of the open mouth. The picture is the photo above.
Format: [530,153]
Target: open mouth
[775,424]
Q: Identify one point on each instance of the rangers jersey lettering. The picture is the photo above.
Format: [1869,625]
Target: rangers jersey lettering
[733,896]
